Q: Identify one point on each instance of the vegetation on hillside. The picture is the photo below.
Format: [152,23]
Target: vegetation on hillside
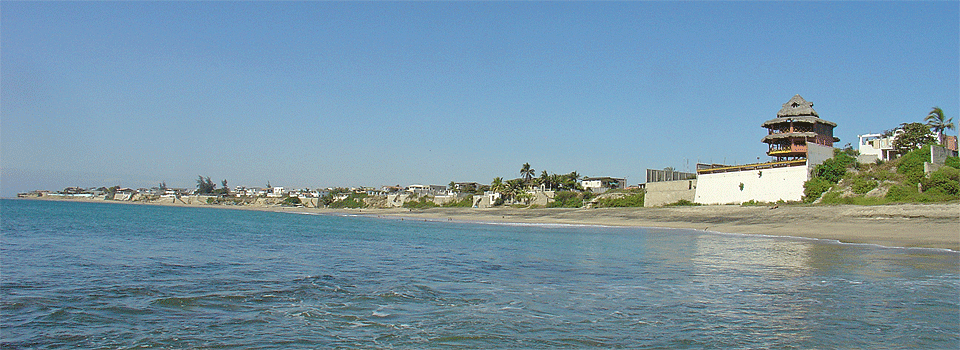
[841,180]
[569,199]
[898,181]
[352,200]
[291,201]
[423,202]
[620,199]
[466,202]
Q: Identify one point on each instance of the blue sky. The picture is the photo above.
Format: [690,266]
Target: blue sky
[319,94]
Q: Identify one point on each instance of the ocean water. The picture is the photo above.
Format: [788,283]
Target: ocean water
[101,275]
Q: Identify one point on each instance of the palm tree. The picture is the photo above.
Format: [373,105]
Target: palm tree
[938,123]
[556,180]
[513,188]
[527,172]
[497,184]
[545,180]
[573,179]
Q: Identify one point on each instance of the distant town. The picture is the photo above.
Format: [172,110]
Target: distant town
[912,162]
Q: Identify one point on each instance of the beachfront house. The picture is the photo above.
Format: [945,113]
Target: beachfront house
[873,147]
[427,190]
[466,187]
[603,184]
[797,140]
[124,194]
[373,192]
[391,189]
[276,192]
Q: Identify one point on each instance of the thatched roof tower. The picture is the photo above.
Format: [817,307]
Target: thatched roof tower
[796,107]
[796,125]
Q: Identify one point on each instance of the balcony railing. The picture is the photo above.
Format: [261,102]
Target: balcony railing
[784,150]
[758,166]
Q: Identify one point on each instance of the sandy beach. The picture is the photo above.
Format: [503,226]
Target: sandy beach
[899,225]
[903,225]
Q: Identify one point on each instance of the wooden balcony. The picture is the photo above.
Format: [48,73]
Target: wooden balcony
[792,149]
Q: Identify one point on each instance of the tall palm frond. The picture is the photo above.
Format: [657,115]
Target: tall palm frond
[938,122]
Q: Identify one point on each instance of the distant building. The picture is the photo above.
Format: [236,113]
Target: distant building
[391,189]
[876,146]
[668,174]
[603,184]
[950,143]
[469,187]
[431,190]
[276,192]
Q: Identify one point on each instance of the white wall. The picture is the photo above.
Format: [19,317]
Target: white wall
[767,185]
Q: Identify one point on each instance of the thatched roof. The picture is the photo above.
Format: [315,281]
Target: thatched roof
[800,119]
[787,135]
[797,106]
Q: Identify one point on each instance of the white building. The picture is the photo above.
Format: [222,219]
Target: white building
[276,192]
[875,146]
[797,138]
[602,184]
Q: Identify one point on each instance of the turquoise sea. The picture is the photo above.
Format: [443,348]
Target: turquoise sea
[102,275]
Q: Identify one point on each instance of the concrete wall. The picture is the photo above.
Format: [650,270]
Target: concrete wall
[486,200]
[542,198]
[666,192]
[767,185]
[817,154]
[867,158]
[939,154]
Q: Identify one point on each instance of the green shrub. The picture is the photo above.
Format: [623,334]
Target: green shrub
[953,162]
[814,188]
[863,185]
[290,201]
[463,203]
[634,199]
[835,168]
[353,201]
[831,198]
[421,203]
[566,199]
[753,202]
[945,181]
[911,164]
[902,193]
[682,203]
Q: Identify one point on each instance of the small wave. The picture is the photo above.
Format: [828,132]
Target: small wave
[177,302]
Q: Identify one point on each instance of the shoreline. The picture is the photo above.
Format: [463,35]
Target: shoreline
[896,225]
